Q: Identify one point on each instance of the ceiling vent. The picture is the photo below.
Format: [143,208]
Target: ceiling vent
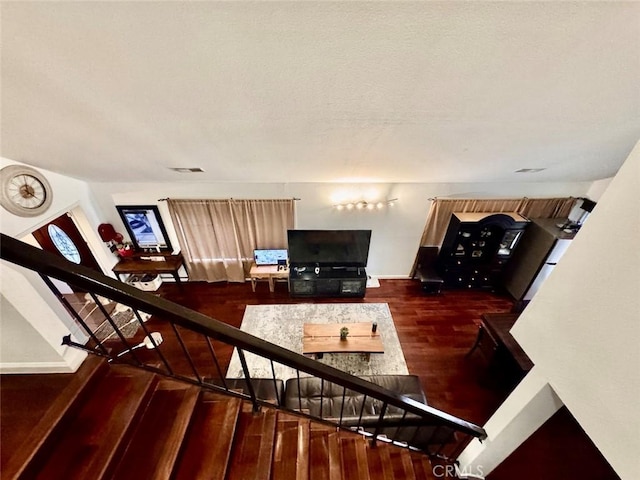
[187,169]
[530,170]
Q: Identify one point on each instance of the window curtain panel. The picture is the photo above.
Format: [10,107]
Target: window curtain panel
[217,237]
[441,210]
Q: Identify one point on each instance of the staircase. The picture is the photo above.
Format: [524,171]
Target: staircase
[116,422]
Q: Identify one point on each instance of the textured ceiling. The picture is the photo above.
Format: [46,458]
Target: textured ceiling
[321,91]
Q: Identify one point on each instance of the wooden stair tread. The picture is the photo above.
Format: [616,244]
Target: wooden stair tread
[379,462]
[354,457]
[252,450]
[156,442]
[130,424]
[422,467]
[90,442]
[208,446]
[20,454]
[291,449]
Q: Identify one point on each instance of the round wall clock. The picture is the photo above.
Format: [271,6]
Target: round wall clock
[24,191]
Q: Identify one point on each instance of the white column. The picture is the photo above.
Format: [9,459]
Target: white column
[531,404]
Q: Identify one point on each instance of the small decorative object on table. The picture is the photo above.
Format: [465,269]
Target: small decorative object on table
[374,327]
[344,331]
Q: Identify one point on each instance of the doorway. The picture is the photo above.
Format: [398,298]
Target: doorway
[62,237]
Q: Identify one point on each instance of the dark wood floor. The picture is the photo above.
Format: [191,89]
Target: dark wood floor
[435,332]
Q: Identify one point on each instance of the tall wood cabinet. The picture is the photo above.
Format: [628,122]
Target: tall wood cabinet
[477,247]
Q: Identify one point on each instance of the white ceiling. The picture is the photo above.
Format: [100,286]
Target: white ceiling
[321,91]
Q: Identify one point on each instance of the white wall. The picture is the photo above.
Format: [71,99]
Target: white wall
[396,231]
[582,329]
[13,325]
[40,310]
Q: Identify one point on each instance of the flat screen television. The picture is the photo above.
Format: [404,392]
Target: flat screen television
[329,248]
[272,256]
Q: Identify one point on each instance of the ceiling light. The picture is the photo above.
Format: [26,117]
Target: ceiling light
[364,205]
[187,169]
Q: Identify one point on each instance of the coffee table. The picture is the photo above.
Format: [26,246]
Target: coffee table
[321,338]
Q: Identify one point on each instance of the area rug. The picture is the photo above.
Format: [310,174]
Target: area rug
[126,322]
[94,318]
[282,325]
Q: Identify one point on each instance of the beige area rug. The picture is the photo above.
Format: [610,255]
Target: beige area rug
[282,325]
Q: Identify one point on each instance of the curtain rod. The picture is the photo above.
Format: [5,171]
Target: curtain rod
[165,199]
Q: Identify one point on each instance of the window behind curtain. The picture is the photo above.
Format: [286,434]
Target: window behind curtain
[217,237]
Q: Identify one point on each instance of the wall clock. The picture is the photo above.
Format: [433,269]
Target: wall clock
[24,191]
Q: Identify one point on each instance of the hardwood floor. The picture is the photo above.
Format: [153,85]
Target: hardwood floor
[435,331]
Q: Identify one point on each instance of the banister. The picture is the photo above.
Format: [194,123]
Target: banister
[47,264]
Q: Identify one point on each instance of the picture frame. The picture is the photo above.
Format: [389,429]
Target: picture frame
[145,227]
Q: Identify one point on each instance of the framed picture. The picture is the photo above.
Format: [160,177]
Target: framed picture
[145,227]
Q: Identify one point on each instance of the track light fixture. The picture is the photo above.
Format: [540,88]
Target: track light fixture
[364,205]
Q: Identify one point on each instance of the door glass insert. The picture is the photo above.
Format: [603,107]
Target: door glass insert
[63,243]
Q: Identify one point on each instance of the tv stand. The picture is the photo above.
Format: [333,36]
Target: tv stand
[334,281]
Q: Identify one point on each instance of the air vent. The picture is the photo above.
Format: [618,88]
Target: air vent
[530,170]
[187,169]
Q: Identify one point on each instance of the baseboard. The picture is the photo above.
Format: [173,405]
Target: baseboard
[69,363]
[393,277]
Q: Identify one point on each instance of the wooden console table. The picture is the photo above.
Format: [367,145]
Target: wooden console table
[268,272]
[142,264]
[320,338]
[496,326]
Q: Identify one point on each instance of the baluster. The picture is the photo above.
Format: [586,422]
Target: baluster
[428,442]
[215,360]
[321,395]
[299,394]
[150,337]
[455,453]
[73,312]
[275,383]
[247,377]
[115,327]
[364,401]
[344,393]
[395,435]
[186,352]
[376,432]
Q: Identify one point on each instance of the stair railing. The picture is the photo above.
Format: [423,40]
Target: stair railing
[116,319]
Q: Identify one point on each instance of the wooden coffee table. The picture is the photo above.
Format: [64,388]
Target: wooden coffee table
[320,338]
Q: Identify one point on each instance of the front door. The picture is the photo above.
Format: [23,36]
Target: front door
[62,237]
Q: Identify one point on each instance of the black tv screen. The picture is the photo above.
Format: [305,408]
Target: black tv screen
[330,248]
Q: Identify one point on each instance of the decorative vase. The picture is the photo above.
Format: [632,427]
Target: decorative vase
[344,331]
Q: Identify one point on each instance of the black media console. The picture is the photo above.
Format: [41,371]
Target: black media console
[327,281]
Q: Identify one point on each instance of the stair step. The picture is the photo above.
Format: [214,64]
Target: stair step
[91,440]
[324,452]
[252,449]
[207,448]
[422,467]
[402,464]
[158,437]
[38,441]
[354,457]
[291,450]
[379,462]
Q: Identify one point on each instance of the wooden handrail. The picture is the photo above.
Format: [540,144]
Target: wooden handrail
[51,265]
